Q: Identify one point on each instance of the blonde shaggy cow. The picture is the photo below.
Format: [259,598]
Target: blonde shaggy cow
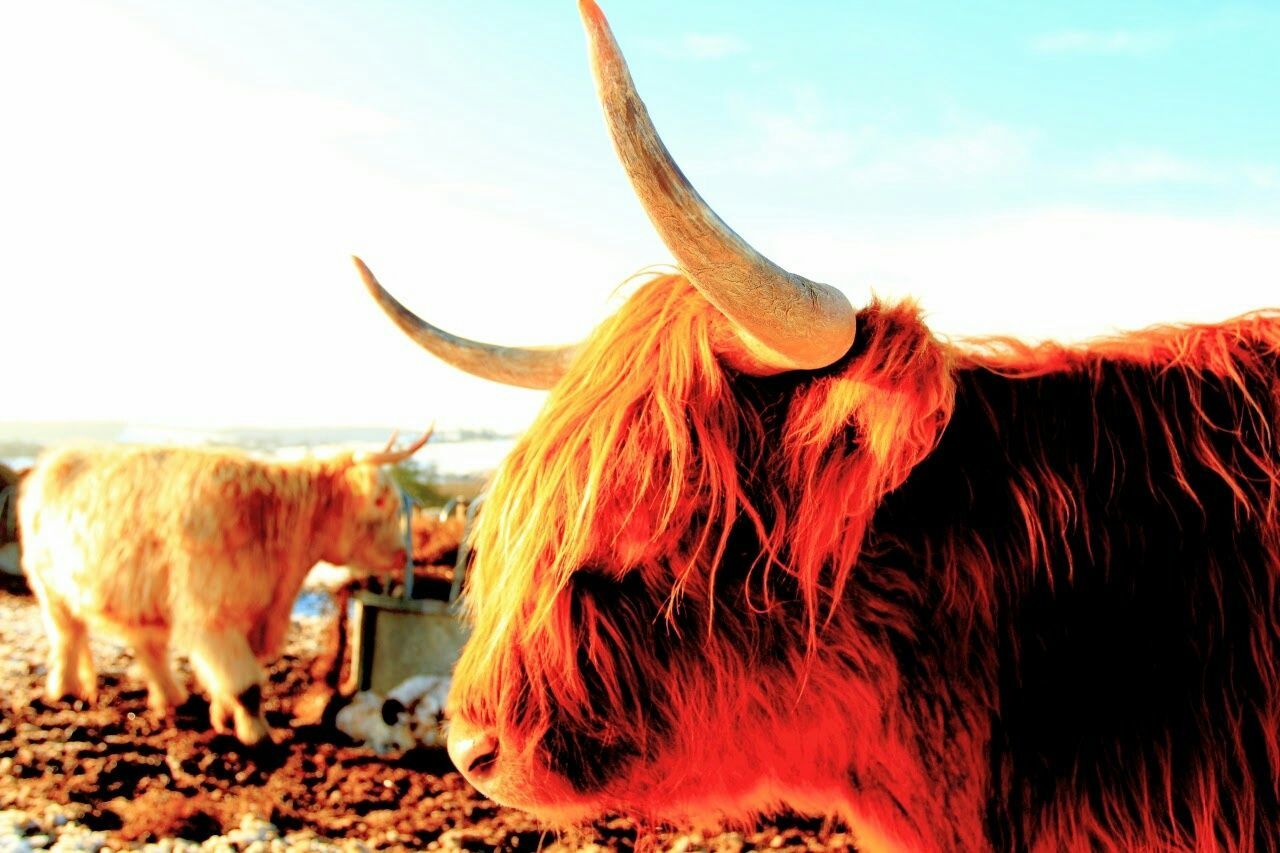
[204,550]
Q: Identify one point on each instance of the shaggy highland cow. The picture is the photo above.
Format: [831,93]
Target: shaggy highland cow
[760,550]
[202,549]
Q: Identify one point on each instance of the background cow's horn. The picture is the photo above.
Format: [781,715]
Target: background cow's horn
[527,367]
[388,456]
[786,321]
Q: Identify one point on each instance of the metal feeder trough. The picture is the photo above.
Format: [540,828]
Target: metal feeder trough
[397,637]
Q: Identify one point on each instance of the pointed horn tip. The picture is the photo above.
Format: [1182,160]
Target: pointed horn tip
[361,267]
[370,281]
[591,13]
[601,45]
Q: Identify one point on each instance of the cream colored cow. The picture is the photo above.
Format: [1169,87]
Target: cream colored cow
[204,550]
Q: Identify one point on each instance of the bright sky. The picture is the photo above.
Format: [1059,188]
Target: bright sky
[182,182]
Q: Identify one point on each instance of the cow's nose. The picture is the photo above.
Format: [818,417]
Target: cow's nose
[473,750]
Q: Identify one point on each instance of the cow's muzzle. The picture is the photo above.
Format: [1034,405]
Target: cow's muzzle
[474,751]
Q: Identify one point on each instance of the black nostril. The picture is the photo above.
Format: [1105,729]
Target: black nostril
[482,764]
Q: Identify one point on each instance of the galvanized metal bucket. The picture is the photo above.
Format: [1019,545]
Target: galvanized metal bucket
[397,637]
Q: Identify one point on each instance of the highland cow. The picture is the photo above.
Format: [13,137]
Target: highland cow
[760,550]
[202,549]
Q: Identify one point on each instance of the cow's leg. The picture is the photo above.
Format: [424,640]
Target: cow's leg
[267,637]
[84,666]
[71,672]
[226,667]
[219,716]
[164,692]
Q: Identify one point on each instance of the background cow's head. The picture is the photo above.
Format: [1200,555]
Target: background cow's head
[365,529]
[658,558]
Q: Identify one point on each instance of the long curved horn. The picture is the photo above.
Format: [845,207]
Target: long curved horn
[527,367]
[389,456]
[786,321]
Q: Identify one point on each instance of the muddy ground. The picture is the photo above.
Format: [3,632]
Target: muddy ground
[135,779]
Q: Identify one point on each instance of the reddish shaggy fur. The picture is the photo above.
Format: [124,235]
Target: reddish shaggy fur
[1235,361]
[679,564]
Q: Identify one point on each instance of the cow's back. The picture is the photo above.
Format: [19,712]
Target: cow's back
[1101,557]
[137,536]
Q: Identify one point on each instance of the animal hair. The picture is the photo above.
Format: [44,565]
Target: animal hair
[958,534]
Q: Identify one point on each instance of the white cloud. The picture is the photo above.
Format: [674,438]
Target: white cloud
[1153,166]
[704,46]
[1106,43]
[965,151]
[1267,177]
[712,45]
[1066,274]
[1145,167]
[805,140]
[800,139]
[1221,21]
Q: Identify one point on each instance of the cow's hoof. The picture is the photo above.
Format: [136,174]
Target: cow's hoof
[219,717]
[253,731]
[164,704]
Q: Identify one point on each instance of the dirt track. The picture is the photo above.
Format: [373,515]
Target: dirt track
[118,771]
